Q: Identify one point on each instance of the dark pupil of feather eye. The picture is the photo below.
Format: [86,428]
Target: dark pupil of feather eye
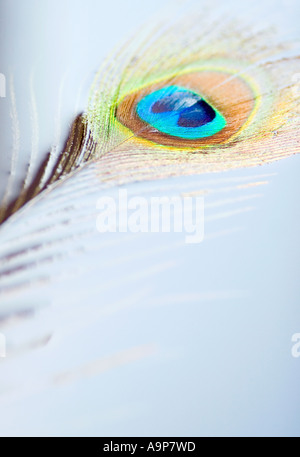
[193,110]
[179,112]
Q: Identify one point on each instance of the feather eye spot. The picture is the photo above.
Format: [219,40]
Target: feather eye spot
[191,110]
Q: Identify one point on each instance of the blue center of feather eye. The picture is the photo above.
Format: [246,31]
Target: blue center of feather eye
[180,112]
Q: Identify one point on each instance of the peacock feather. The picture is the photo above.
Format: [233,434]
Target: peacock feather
[102,329]
[247,75]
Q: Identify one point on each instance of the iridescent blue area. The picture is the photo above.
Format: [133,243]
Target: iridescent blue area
[179,112]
